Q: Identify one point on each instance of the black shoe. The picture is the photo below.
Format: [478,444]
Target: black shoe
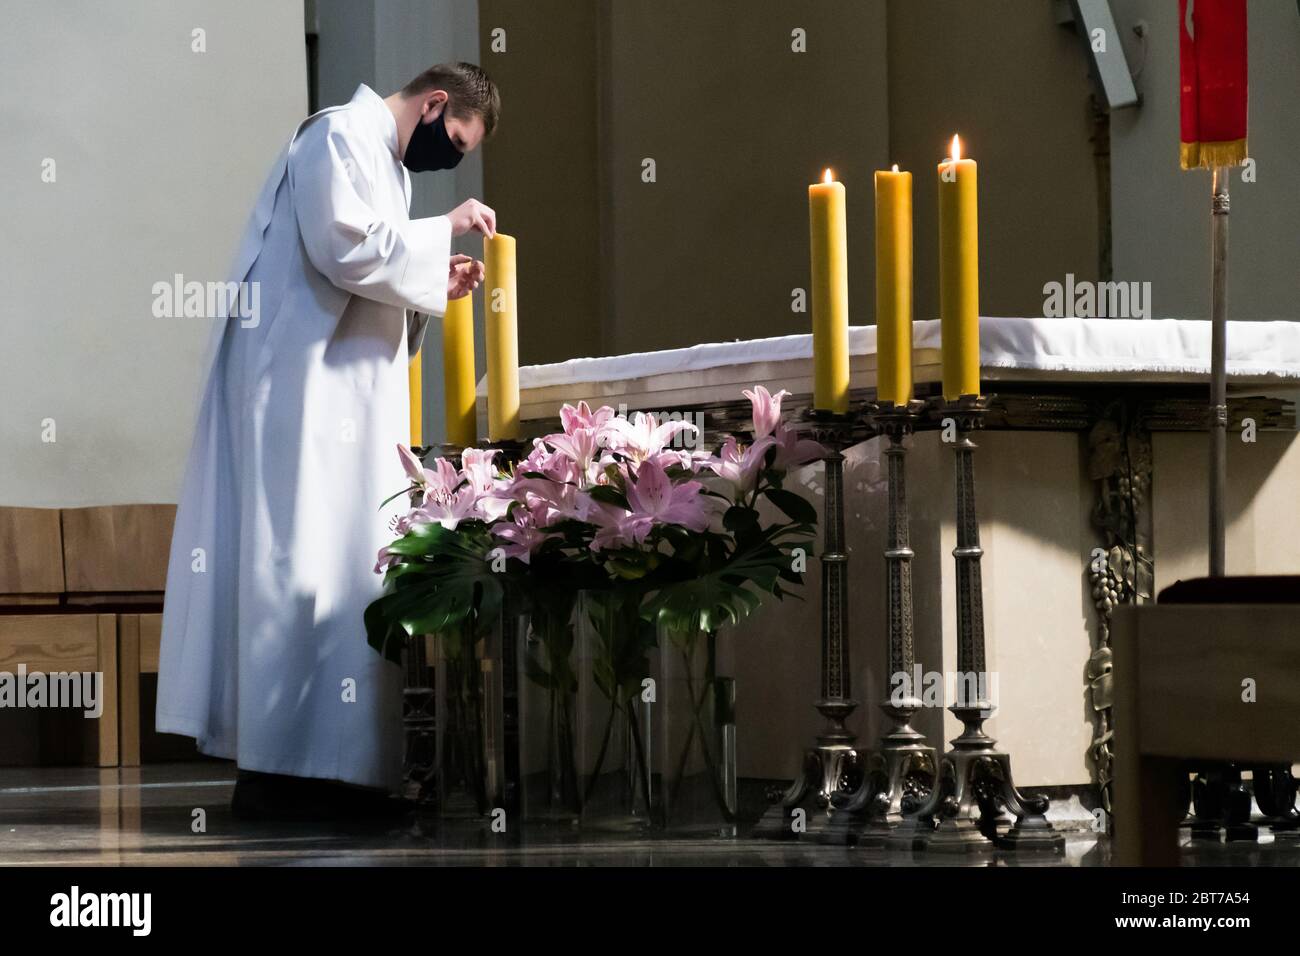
[278,797]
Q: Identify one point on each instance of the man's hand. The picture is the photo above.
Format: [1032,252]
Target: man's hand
[472,214]
[464,276]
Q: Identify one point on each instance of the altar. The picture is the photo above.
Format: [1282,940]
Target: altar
[1084,414]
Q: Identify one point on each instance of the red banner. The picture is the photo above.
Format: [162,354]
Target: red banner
[1212,74]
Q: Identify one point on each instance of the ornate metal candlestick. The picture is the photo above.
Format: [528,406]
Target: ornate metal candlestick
[833,764]
[901,772]
[974,773]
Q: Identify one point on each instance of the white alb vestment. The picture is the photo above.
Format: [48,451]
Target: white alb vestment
[264,655]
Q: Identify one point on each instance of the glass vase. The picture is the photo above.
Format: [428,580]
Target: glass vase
[616,701]
[462,701]
[696,693]
[547,707]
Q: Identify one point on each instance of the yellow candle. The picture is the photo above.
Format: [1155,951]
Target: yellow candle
[830,295]
[415,384]
[500,317]
[959,294]
[894,286]
[458,372]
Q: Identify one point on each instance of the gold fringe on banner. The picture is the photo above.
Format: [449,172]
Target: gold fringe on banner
[1208,155]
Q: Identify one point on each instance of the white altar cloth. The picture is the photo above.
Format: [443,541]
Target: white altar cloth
[1011,349]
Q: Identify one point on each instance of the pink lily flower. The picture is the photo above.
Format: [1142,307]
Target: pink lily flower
[644,436]
[793,451]
[740,467]
[385,560]
[413,467]
[579,446]
[573,418]
[447,508]
[767,409]
[479,468]
[616,528]
[523,536]
[654,496]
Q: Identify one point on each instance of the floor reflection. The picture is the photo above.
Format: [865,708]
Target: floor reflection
[179,815]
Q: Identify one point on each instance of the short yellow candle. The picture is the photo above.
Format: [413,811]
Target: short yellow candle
[830,295]
[415,384]
[500,320]
[894,286]
[458,372]
[959,294]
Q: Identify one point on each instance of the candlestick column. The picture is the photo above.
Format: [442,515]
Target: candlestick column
[974,779]
[900,773]
[833,765]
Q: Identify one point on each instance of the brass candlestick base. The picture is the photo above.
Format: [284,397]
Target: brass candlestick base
[834,764]
[974,774]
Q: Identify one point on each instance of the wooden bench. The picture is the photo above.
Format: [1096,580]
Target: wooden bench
[82,589]
[54,643]
[1179,671]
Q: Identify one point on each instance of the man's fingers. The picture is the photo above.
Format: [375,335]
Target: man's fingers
[460,258]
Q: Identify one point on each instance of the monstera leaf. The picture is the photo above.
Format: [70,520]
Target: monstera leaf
[726,595]
[450,581]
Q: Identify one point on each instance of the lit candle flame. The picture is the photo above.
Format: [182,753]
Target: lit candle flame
[956,148]
[826,176]
[895,167]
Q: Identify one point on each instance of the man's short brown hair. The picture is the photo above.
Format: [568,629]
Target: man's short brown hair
[470,92]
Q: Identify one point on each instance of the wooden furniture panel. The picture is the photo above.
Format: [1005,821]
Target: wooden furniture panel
[31,556]
[1179,673]
[117,548]
[139,640]
[51,643]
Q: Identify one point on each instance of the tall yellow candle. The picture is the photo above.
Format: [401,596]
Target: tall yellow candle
[500,320]
[458,372]
[894,286]
[959,294]
[415,385]
[830,295]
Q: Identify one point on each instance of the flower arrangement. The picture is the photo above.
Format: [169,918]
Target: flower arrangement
[608,502]
[626,511]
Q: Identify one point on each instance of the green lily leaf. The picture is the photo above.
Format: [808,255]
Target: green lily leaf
[796,507]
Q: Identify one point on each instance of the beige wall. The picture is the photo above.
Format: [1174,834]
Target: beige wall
[1162,214]
[1014,84]
[738,124]
[1263,517]
[540,170]
[159,153]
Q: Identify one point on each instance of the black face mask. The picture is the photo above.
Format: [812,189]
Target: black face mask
[430,147]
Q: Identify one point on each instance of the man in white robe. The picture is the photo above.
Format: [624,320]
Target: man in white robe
[264,656]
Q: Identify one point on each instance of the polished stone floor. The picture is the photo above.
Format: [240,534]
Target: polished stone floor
[178,814]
